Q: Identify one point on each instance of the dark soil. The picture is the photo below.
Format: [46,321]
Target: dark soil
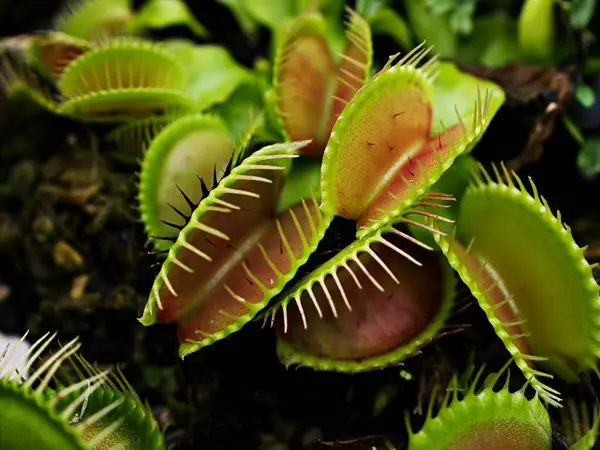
[74,261]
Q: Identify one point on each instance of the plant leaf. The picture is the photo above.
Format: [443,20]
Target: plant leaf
[384,125]
[94,19]
[431,27]
[387,21]
[536,29]
[456,90]
[270,13]
[166,13]
[588,159]
[303,79]
[213,73]
[355,66]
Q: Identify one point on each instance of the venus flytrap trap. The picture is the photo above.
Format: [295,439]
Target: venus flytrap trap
[530,278]
[120,79]
[310,85]
[218,275]
[484,417]
[372,305]
[373,160]
[325,320]
[48,53]
[20,83]
[92,67]
[185,160]
[31,64]
[96,410]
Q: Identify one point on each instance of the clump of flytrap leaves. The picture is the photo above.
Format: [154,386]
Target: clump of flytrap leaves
[68,404]
[263,235]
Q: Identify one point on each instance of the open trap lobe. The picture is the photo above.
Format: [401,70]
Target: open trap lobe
[385,315]
[254,268]
[211,249]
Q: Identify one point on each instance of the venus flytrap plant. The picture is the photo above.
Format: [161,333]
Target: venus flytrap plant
[95,411]
[403,312]
[530,278]
[310,85]
[218,275]
[484,418]
[48,53]
[241,273]
[372,160]
[391,298]
[123,78]
[185,160]
[118,77]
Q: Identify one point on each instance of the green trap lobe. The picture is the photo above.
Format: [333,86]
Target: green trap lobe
[497,296]
[400,191]
[199,154]
[226,251]
[259,274]
[49,433]
[353,70]
[500,434]
[126,64]
[116,106]
[55,51]
[533,260]
[387,127]
[380,321]
[477,414]
[304,82]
